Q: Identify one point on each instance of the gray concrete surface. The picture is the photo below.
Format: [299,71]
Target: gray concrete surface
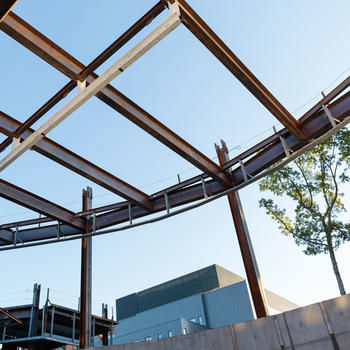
[321,326]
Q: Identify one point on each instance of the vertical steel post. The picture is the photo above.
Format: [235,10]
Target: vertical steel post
[86,280]
[34,315]
[105,315]
[250,263]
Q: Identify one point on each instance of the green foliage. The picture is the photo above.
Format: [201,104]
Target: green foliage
[313,181]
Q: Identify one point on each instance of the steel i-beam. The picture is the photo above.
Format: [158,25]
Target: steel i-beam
[33,202]
[314,127]
[248,255]
[86,71]
[81,166]
[85,94]
[223,53]
[51,53]
[86,280]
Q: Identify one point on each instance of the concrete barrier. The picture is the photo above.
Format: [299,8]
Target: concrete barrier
[321,326]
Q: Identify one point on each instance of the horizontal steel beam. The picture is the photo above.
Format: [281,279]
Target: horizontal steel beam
[96,86]
[79,165]
[314,127]
[5,7]
[219,49]
[33,202]
[36,42]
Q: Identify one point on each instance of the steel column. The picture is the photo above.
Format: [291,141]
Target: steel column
[34,314]
[86,280]
[250,263]
[105,315]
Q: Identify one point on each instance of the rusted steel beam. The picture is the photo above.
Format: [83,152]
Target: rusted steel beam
[222,52]
[38,114]
[245,244]
[4,312]
[5,8]
[97,62]
[327,99]
[314,127]
[122,40]
[25,223]
[70,160]
[33,202]
[85,280]
[60,59]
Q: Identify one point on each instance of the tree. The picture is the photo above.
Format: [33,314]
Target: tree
[314,182]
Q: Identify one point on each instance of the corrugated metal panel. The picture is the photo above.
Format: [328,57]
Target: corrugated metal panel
[228,305]
[191,307]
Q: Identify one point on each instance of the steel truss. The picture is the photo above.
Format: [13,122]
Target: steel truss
[216,180]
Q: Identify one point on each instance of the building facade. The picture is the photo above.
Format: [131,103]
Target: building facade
[209,298]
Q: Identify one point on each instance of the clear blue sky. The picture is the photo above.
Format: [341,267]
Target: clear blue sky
[297,48]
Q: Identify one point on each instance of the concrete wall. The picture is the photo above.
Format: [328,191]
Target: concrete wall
[321,326]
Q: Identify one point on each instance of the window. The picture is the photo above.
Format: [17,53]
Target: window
[184,331]
[148,338]
[193,319]
[201,321]
[159,336]
[170,334]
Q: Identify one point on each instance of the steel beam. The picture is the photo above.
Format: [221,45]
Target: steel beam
[36,42]
[86,280]
[38,114]
[86,93]
[4,312]
[97,62]
[5,8]
[40,205]
[245,244]
[222,52]
[314,127]
[79,165]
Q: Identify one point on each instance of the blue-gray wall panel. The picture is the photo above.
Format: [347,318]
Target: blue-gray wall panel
[228,305]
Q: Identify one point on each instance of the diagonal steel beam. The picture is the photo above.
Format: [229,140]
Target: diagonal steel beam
[5,7]
[315,126]
[97,62]
[219,49]
[36,42]
[14,318]
[79,165]
[96,86]
[33,202]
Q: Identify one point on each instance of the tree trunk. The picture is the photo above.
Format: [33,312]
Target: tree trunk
[335,265]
